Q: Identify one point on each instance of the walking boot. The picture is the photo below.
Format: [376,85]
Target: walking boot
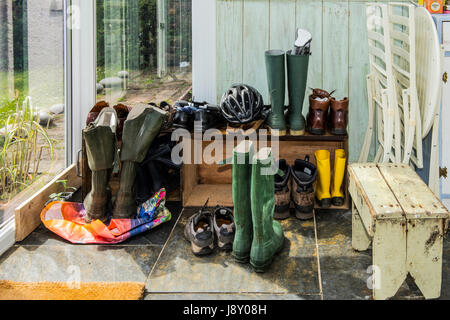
[323,195]
[319,103]
[339,116]
[95,111]
[304,175]
[224,228]
[101,150]
[282,191]
[337,195]
[268,237]
[275,68]
[122,114]
[140,129]
[199,232]
[297,67]
[242,172]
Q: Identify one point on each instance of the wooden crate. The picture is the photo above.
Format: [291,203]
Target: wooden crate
[203,181]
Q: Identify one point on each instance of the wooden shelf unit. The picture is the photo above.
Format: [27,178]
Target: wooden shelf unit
[202,181]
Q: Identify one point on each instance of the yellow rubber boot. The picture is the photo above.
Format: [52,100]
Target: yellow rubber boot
[337,195]
[323,195]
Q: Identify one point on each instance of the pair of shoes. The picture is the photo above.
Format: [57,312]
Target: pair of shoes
[203,227]
[122,112]
[324,108]
[258,237]
[201,114]
[140,128]
[297,186]
[323,196]
[297,74]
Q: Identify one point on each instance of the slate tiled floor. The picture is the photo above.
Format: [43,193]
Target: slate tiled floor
[316,263]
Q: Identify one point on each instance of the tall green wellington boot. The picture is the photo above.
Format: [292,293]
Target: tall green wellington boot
[268,237]
[297,69]
[242,172]
[101,150]
[140,129]
[275,68]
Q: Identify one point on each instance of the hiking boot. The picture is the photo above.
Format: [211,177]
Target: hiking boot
[275,68]
[304,175]
[282,191]
[319,103]
[199,231]
[184,115]
[140,129]
[207,119]
[268,237]
[224,228]
[101,150]
[339,116]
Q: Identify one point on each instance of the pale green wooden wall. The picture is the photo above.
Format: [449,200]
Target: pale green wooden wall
[246,28]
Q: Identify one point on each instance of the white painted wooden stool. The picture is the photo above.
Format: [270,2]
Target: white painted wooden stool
[396,211]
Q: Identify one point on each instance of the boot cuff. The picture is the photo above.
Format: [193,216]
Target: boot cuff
[304,172]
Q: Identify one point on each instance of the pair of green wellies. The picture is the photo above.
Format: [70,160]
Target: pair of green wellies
[297,75]
[258,237]
[141,127]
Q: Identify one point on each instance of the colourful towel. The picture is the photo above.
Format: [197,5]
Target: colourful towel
[66,219]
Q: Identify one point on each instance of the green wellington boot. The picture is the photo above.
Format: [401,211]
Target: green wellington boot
[297,69]
[268,238]
[242,172]
[275,68]
[140,129]
[101,149]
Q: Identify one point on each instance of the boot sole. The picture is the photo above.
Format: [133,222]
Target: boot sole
[297,133]
[316,131]
[261,268]
[304,216]
[277,132]
[282,215]
[339,132]
[337,201]
[324,203]
[243,259]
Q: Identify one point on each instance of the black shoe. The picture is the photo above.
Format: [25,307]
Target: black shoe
[207,119]
[184,115]
[224,228]
[199,231]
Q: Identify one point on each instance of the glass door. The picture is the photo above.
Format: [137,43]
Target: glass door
[32,109]
[144,51]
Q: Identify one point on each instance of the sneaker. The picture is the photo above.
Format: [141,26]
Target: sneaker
[199,232]
[224,228]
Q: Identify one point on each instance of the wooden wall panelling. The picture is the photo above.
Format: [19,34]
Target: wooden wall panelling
[308,15]
[256,42]
[229,44]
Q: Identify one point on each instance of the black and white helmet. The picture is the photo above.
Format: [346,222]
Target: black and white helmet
[241,104]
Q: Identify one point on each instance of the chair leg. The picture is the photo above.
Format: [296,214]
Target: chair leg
[389,257]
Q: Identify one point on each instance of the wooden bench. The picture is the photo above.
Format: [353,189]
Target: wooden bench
[393,209]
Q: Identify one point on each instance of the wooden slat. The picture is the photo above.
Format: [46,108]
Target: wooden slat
[309,16]
[27,214]
[413,195]
[374,191]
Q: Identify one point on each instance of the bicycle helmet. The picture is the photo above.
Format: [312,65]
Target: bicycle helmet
[241,104]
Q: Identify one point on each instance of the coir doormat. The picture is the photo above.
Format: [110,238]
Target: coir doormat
[11,290]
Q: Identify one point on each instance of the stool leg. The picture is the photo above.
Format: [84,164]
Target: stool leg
[389,257]
[424,257]
[360,238]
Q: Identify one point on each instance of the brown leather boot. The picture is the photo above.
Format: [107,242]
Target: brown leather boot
[318,111]
[339,116]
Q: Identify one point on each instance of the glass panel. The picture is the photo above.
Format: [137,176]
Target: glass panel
[31,98]
[144,50]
